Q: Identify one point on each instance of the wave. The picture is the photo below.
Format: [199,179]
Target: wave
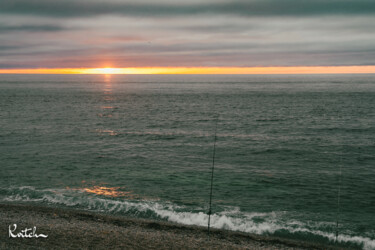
[180,133]
[231,218]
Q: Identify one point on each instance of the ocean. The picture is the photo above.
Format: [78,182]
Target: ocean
[295,154]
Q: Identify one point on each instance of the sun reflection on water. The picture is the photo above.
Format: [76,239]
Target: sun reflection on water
[109,191]
[106,132]
[115,192]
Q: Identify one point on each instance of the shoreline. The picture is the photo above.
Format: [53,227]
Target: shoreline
[76,229]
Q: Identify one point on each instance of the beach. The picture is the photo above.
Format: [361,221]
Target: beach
[74,229]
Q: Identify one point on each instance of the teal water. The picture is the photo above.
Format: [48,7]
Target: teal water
[142,146]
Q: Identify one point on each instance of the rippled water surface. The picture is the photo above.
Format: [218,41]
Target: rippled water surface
[142,146]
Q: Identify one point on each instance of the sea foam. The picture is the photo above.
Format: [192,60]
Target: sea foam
[232,218]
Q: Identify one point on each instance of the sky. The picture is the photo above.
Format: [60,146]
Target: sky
[196,33]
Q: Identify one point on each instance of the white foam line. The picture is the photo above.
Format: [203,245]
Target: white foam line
[230,219]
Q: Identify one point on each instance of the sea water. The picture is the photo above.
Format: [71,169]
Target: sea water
[294,154]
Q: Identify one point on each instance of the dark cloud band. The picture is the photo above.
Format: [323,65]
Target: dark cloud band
[30,28]
[70,8]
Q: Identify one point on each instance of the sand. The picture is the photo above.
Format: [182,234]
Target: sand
[73,229]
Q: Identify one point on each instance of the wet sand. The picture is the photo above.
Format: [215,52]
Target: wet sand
[72,229]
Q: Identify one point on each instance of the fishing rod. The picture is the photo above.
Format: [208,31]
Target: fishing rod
[212,178]
[338,201]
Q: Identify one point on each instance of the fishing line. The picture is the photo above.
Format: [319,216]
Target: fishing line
[212,178]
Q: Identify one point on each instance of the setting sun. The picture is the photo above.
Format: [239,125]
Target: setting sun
[107,71]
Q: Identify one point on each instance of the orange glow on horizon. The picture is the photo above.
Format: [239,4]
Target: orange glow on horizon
[201,70]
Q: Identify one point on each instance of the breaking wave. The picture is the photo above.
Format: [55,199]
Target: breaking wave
[231,218]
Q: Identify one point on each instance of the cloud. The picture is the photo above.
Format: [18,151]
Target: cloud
[74,8]
[30,28]
[82,33]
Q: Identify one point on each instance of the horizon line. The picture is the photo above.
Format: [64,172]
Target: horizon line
[367,69]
